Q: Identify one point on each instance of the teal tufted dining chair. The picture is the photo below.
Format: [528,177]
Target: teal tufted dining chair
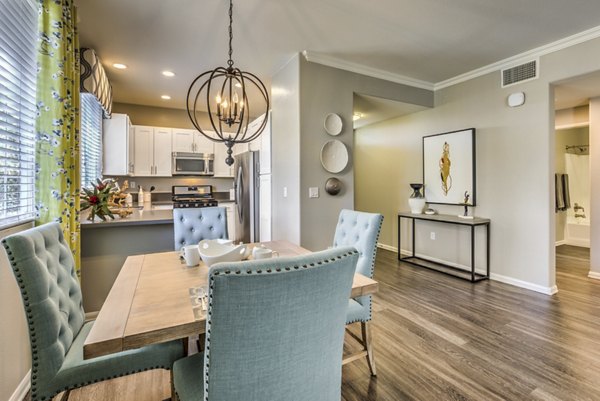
[360,230]
[44,269]
[275,330]
[196,224]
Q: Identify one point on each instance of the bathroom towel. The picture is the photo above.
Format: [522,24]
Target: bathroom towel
[561,185]
[566,194]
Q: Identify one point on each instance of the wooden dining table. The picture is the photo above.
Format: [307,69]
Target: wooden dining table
[154,299]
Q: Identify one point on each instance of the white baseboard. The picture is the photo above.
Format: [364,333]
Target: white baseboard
[561,242]
[594,275]
[387,247]
[493,276]
[524,284]
[584,243]
[91,316]
[22,388]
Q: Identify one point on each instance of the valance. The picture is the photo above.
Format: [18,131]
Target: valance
[95,81]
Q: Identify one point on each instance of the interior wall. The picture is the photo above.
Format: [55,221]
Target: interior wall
[15,351]
[572,116]
[157,116]
[566,137]
[515,163]
[285,152]
[595,188]
[327,90]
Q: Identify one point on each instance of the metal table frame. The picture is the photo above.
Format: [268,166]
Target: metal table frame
[442,267]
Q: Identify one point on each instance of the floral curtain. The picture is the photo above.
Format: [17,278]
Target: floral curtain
[57,127]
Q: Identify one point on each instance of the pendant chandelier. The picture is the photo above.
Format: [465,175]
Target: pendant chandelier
[223,93]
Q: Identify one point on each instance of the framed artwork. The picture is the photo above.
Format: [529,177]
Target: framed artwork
[449,167]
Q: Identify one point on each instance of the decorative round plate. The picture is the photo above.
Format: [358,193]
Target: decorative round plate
[334,156]
[333,124]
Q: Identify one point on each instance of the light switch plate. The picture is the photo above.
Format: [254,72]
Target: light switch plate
[285,192]
[313,192]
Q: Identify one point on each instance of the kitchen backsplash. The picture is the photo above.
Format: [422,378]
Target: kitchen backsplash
[164,184]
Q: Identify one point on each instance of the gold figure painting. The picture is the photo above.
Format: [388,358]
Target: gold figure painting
[445,169]
[449,167]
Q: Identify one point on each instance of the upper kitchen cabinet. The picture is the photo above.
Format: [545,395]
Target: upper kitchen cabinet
[118,146]
[191,141]
[152,151]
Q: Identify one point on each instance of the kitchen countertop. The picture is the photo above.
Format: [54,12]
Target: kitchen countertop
[146,216]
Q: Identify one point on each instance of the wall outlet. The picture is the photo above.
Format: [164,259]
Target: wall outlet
[313,192]
[432,235]
[285,192]
[132,185]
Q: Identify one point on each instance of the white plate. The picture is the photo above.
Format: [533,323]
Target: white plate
[334,156]
[333,124]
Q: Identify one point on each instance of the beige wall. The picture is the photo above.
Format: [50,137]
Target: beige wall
[515,164]
[595,188]
[566,137]
[15,352]
[154,116]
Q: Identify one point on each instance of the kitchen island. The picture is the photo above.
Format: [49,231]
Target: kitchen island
[106,244]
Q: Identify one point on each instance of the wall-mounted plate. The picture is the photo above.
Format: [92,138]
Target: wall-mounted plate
[334,156]
[333,124]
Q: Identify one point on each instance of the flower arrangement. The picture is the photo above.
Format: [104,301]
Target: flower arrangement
[97,199]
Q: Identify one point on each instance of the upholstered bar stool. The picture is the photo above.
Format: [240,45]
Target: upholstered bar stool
[44,268]
[196,224]
[360,230]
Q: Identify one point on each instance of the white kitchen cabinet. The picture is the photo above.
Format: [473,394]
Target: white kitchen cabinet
[152,151]
[183,140]
[262,144]
[230,206]
[191,141]
[221,168]
[240,148]
[118,146]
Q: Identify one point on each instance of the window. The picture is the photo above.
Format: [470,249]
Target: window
[91,139]
[18,52]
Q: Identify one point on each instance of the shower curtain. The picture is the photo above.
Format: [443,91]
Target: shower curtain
[578,169]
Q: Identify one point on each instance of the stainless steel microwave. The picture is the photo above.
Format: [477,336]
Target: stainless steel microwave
[193,163]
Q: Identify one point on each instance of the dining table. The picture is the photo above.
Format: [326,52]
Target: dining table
[155,298]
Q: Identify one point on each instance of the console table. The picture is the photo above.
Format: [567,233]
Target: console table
[470,275]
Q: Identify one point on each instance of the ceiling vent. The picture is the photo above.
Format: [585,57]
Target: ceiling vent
[520,73]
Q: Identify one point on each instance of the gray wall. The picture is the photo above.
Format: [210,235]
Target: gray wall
[326,90]
[566,137]
[515,162]
[15,352]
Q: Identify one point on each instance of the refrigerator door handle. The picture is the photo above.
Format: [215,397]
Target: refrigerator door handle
[239,194]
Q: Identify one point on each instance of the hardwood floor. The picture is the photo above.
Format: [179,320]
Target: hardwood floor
[441,338]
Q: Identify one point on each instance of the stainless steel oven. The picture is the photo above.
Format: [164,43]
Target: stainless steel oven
[193,163]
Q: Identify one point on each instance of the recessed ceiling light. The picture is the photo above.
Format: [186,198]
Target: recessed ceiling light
[165,97]
[119,66]
[356,116]
[168,73]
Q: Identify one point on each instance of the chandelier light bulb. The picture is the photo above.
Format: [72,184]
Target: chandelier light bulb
[218,98]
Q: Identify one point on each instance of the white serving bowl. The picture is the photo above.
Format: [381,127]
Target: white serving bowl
[216,250]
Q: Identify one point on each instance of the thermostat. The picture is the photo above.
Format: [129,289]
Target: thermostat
[516,99]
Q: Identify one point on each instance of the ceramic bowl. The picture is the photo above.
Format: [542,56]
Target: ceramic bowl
[215,250]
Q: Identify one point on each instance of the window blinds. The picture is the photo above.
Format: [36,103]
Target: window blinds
[91,139]
[18,51]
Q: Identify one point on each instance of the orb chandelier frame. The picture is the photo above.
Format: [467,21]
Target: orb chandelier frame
[230,106]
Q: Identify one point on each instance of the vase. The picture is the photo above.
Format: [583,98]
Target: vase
[416,200]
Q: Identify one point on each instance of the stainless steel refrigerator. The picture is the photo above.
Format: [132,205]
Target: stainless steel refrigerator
[246,185]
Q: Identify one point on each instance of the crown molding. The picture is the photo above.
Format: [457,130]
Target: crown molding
[320,58]
[529,55]
[581,37]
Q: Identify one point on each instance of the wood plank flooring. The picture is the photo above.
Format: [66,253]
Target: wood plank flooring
[441,338]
